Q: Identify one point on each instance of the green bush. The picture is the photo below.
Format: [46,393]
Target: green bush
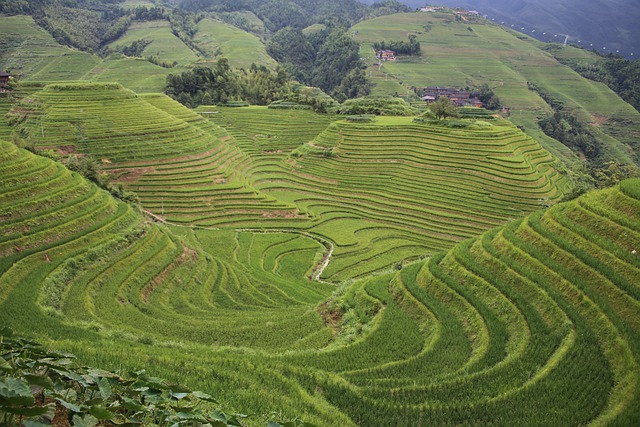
[376,106]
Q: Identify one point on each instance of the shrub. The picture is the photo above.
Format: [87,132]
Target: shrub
[377,106]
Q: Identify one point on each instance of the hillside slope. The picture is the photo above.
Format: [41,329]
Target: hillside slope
[33,55]
[381,193]
[603,23]
[476,51]
[492,330]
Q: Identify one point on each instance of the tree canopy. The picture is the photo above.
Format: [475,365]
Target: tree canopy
[443,108]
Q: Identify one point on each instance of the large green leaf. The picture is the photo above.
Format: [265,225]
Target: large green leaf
[191,417]
[15,392]
[218,416]
[39,380]
[133,405]
[204,396]
[27,411]
[69,406]
[5,366]
[105,388]
[101,373]
[86,421]
[100,412]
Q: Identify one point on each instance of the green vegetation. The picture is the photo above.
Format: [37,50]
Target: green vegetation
[328,59]
[294,169]
[159,40]
[621,75]
[353,264]
[443,108]
[219,85]
[38,386]
[505,61]
[412,47]
[492,329]
[241,48]
[376,106]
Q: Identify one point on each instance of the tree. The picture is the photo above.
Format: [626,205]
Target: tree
[488,97]
[337,57]
[443,108]
[354,85]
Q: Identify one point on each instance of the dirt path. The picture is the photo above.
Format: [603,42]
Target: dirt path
[316,271]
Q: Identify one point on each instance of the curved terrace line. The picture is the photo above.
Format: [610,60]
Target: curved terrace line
[316,272]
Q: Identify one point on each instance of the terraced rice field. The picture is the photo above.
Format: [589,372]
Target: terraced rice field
[162,42]
[535,323]
[392,190]
[240,47]
[461,54]
[33,54]
[177,162]
[375,195]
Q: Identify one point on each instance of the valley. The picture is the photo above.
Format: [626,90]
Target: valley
[308,267]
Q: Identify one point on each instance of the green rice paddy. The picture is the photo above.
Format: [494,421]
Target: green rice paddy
[539,313]
[301,266]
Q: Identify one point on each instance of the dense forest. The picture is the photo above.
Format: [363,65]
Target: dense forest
[328,59]
[222,84]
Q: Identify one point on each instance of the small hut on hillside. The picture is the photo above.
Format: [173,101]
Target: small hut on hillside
[386,55]
[4,78]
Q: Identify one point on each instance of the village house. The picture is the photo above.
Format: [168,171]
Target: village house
[4,81]
[431,8]
[468,12]
[386,55]
[459,98]
[4,78]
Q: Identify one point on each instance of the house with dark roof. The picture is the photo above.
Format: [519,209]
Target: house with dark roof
[4,79]
[459,98]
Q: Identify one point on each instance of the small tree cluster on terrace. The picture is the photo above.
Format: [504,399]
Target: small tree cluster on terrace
[443,108]
[221,84]
[400,47]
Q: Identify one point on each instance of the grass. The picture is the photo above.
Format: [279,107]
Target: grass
[240,47]
[163,43]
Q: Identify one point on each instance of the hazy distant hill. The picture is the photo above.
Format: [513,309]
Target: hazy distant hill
[603,23]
